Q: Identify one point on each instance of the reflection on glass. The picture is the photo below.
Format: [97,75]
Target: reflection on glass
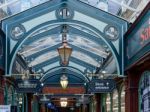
[108,103]
[115,101]
[123,100]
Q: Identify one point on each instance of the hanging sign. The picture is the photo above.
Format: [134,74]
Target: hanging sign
[27,86]
[5,108]
[101,86]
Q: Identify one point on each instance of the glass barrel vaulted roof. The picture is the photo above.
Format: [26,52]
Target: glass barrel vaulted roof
[86,34]
[34,35]
[127,9]
[45,49]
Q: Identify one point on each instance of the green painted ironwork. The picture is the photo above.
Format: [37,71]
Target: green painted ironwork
[92,12]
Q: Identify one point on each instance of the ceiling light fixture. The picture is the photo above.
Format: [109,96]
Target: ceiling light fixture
[64,81]
[64,50]
[63,102]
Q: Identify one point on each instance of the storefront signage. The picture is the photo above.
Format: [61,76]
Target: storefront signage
[101,86]
[145,34]
[5,108]
[27,86]
[139,38]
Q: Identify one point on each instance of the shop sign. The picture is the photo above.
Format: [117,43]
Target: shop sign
[101,86]
[27,86]
[5,108]
[139,38]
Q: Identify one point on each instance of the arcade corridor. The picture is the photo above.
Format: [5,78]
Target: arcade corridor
[75,56]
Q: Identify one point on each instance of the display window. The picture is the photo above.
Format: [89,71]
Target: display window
[144,92]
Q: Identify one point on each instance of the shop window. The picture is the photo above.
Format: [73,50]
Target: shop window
[144,92]
[123,99]
[115,101]
[108,103]
[10,93]
[16,98]
[5,95]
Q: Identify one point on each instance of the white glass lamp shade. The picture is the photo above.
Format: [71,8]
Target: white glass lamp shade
[63,102]
[64,81]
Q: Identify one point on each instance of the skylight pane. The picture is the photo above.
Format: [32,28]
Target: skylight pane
[11,7]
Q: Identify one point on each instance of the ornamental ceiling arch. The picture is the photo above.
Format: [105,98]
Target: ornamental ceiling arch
[95,36]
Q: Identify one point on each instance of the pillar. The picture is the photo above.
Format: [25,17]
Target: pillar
[42,108]
[131,89]
[29,104]
[98,103]
[1,90]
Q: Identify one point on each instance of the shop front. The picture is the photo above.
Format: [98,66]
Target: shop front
[137,84]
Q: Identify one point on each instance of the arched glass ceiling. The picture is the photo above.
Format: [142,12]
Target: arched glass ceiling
[40,49]
[127,9]
[76,54]
[77,41]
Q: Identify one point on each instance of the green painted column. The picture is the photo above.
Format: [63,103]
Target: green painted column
[23,103]
[103,102]
[26,104]
[6,95]
[119,100]
[35,105]
[13,97]
[111,101]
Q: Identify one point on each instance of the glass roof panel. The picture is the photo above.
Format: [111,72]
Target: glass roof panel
[11,7]
[127,9]
[39,45]
[50,66]
[86,44]
[43,58]
[83,29]
[44,29]
[85,58]
[49,41]
[82,68]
